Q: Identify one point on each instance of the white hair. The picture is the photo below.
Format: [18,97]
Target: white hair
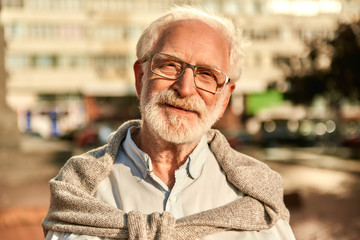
[226,27]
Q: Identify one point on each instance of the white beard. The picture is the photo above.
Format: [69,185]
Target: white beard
[175,128]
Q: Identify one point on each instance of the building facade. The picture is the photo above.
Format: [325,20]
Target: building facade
[60,52]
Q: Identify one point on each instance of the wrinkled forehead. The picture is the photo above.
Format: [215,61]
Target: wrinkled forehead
[185,38]
[191,25]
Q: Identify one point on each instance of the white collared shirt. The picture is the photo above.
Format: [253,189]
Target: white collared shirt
[200,184]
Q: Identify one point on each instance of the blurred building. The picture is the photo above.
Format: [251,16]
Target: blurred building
[62,54]
[9,133]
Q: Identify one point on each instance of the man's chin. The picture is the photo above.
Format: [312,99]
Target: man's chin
[176,128]
[183,132]
[181,138]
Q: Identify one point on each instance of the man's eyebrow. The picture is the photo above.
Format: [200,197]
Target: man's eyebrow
[198,65]
[209,66]
[201,64]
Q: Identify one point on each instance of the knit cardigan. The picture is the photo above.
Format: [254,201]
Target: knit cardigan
[73,207]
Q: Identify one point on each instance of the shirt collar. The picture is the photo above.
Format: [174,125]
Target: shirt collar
[197,158]
[142,161]
[140,158]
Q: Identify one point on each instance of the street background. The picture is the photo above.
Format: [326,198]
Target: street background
[321,191]
[66,82]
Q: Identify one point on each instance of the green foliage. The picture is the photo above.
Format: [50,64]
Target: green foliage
[331,68]
[256,102]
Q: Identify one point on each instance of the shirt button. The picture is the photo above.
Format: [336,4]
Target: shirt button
[172,198]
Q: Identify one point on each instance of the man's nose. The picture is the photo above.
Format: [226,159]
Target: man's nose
[185,84]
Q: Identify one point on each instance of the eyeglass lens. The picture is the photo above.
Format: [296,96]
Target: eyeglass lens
[170,67]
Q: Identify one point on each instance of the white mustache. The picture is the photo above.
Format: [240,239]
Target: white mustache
[170,97]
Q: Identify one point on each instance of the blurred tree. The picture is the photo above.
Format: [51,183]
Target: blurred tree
[331,69]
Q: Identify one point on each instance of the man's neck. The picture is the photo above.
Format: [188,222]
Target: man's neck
[165,157]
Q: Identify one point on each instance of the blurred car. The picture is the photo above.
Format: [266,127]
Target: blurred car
[88,136]
[352,141]
[91,135]
[299,133]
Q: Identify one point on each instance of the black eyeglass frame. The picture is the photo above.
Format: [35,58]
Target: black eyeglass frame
[193,67]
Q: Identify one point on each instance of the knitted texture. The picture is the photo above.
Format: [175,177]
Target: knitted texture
[73,207]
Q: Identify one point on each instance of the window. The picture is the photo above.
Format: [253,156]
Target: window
[68,61]
[281,60]
[34,31]
[15,31]
[13,62]
[42,31]
[70,4]
[45,61]
[132,32]
[231,7]
[54,4]
[109,32]
[12,3]
[258,7]
[71,32]
[110,62]
[38,4]
[211,5]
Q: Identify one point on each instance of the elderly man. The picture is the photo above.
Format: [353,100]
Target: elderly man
[169,176]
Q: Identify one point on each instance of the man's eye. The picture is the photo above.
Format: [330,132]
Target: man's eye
[206,74]
[170,65]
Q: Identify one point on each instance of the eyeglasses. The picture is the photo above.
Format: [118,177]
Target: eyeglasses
[205,78]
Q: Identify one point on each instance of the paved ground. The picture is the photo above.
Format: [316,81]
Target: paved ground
[322,192]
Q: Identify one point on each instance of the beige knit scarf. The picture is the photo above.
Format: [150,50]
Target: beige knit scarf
[74,209]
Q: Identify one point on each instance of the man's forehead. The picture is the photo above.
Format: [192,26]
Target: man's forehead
[191,31]
[188,24]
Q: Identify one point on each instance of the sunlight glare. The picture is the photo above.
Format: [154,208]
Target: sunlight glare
[306,7]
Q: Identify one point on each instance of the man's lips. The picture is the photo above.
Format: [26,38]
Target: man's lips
[181,108]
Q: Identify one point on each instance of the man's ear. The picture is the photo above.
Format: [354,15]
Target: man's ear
[139,73]
[225,103]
